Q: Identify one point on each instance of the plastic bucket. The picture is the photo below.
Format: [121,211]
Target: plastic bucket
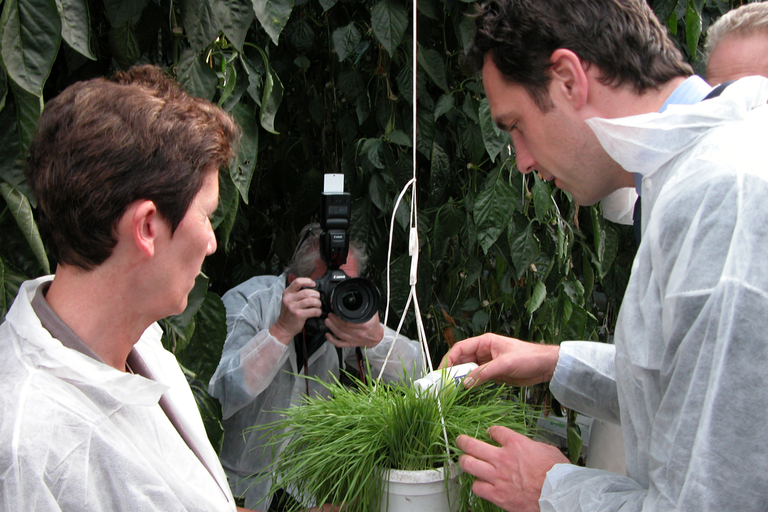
[421,491]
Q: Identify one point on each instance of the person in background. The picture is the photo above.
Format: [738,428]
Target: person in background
[595,96]
[271,345]
[737,44]
[96,414]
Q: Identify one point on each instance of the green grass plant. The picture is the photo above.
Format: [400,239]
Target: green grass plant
[338,450]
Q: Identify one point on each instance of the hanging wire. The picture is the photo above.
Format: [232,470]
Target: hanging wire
[413,241]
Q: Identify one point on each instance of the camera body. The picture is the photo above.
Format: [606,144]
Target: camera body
[353,299]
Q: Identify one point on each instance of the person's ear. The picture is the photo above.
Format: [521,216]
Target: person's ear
[145,227]
[569,78]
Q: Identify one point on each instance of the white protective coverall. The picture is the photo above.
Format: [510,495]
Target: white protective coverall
[687,377]
[77,434]
[257,375]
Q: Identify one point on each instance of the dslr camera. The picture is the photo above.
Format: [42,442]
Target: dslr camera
[353,299]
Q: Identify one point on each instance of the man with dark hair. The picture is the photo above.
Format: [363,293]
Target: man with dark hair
[96,415]
[737,44]
[596,97]
[271,343]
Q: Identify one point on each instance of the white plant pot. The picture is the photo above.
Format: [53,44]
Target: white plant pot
[421,491]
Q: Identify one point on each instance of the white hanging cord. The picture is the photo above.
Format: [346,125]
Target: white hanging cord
[413,244]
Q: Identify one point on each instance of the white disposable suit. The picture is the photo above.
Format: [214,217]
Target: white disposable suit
[258,375]
[688,378]
[79,435]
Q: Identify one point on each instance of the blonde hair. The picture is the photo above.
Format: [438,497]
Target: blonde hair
[747,20]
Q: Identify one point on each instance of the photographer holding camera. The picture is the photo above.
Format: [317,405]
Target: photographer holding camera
[270,343]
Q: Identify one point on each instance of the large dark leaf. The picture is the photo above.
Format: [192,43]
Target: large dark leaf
[28,110]
[494,208]
[198,79]
[434,65]
[389,20]
[200,23]
[76,26]
[22,211]
[493,138]
[124,43]
[345,40]
[31,35]
[10,281]
[122,11]
[241,170]
[524,247]
[235,17]
[273,15]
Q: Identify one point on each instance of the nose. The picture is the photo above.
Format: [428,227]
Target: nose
[212,245]
[525,161]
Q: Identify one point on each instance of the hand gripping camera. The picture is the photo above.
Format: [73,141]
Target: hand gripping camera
[353,299]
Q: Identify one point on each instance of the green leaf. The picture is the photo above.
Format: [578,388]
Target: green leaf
[181,323]
[241,170]
[200,23]
[345,40]
[428,9]
[399,137]
[76,25]
[493,210]
[542,198]
[377,190]
[272,96]
[198,79]
[351,83]
[664,8]
[28,110]
[3,87]
[480,320]
[22,211]
[444,105]
[254,79]
[692,27]
[31,35]
[203,352]
[327,4]
[493,138]
[373,150]
[273,16]
[439,173]
[235,17]
[573,438]
[524,248]
[229,201]
[537,297]
[120,11]
[10,149]
[432,62]
[389,21]
[10,281]
[124,44]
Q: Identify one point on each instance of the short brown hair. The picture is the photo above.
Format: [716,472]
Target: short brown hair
[102,144]
[622,38]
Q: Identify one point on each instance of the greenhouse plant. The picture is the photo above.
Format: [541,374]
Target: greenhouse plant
[339,450]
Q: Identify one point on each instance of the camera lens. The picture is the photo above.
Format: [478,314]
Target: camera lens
[355,300]
[352,300]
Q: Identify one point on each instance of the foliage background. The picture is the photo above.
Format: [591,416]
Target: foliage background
[324,86]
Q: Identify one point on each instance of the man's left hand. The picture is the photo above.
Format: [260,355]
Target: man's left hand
[346,334]
[510,475]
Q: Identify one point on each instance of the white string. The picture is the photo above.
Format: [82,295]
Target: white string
[413,242]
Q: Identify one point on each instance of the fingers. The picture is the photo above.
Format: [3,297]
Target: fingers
[346,334]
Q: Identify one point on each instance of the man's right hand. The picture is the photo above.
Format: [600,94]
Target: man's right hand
[300,302]
[504,359]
